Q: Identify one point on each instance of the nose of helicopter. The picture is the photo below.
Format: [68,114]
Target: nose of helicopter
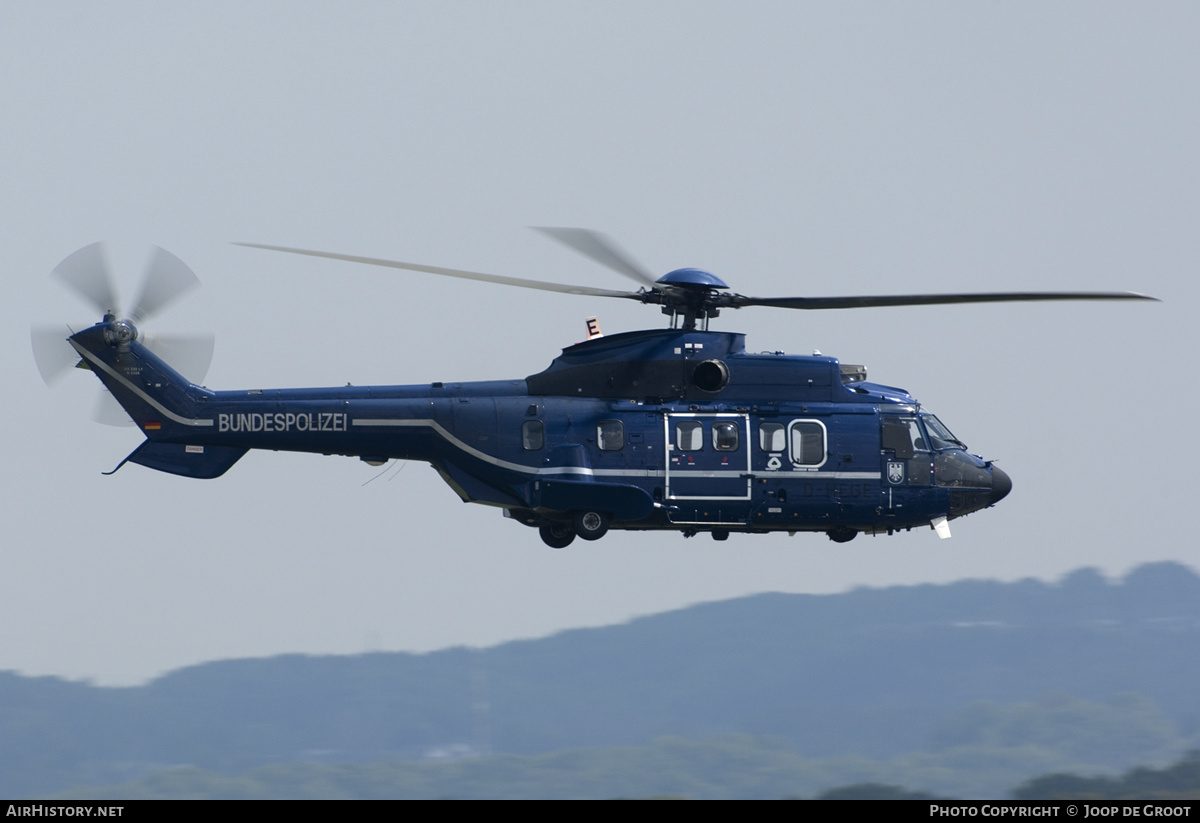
[1001,484]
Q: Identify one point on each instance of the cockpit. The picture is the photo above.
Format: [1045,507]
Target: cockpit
[934,456]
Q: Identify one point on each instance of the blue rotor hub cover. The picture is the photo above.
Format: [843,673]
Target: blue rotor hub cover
[693,277]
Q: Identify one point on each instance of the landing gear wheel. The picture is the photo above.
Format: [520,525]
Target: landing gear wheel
[842,534]
[591,525]
[556,535]
[720,534]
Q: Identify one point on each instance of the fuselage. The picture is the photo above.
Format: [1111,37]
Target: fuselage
[671,429]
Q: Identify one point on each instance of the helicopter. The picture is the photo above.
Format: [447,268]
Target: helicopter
[677,429]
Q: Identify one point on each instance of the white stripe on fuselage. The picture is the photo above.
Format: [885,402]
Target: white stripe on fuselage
[91,358]
[523,469]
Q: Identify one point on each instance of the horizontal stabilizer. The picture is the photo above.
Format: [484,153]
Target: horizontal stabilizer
[204,462]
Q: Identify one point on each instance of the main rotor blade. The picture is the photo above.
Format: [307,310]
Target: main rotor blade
[86,271]
[602,250]
[167,277]
[465,275]
[870,301]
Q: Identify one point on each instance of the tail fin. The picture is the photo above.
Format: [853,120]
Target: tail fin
[168,408]
[159,399]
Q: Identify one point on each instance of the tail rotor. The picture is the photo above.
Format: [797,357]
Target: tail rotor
[86,272]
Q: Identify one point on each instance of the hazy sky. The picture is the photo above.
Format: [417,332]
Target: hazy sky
[792,148]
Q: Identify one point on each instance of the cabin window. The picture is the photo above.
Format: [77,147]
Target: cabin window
[808,443]
[771,437]
[725,435]
[689,435]
[610,435]
[533,435]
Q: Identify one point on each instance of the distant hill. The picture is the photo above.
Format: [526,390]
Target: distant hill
[872,672]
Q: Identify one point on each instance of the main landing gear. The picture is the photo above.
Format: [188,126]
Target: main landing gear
[591,525]
[587,524]
[556,535]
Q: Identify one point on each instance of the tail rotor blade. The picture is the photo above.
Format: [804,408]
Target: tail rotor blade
[167,278]
[188,354]
[51,351]
[86,272]
[108,411]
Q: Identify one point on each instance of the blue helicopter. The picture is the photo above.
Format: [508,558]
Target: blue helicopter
[676,429]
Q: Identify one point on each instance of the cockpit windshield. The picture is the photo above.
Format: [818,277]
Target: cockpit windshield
[940,436]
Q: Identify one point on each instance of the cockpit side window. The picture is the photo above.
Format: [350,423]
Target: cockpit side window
[902,435]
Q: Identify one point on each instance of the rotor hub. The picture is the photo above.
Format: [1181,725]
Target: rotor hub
[119,333]
[692,278]
[690,296]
